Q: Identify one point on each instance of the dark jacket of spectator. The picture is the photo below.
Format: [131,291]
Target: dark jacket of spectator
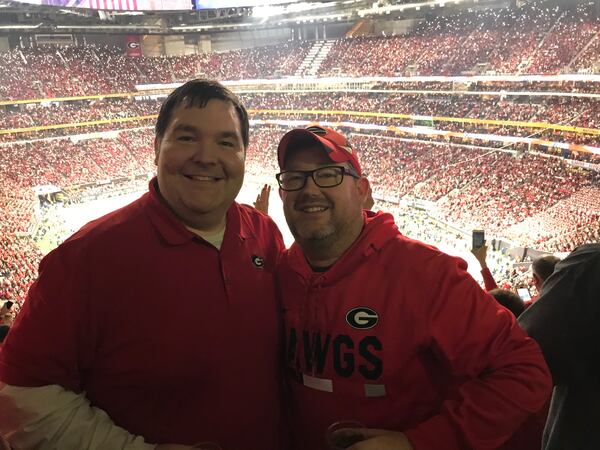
[564,321]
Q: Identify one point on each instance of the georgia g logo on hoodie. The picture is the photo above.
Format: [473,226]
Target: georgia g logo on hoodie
[362,318]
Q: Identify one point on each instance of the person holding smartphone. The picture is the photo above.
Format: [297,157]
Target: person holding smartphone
[385,331]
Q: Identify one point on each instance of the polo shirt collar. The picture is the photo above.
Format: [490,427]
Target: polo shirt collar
[172,230]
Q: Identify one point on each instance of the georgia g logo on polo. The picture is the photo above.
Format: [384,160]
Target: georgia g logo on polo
[258,261]
[362,318]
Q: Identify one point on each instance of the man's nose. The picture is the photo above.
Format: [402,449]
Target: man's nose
[310,186]
[204,152]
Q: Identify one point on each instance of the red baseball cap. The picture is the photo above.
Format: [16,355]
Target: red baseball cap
[335,144]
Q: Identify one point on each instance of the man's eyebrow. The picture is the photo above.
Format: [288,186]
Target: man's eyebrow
[228,134]
[185,127]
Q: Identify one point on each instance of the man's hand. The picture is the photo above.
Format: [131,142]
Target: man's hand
[382,440]
[262,200]
[481,255]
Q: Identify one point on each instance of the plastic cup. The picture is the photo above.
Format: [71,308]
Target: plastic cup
[344,434]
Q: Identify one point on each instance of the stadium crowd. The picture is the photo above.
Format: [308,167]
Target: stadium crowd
[532,199]
[470,187]
[534,41]
[456,113]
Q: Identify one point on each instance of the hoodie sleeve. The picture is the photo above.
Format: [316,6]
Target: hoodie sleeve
[488,279]
[506,376]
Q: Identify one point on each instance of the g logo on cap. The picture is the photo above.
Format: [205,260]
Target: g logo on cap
[362,318]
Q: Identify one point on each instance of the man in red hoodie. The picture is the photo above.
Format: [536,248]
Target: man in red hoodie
[386,331]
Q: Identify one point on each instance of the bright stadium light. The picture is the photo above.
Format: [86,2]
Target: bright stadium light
[267,11]
[20,27]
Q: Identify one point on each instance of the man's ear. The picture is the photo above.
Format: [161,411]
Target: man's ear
[280,193]
[157,141]
[365,193]
[363,186]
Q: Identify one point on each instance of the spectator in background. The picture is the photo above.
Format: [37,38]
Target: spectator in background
[387,345]
[480,254]
[509,300]
[4,329]
[85,366]
[542,268]
[6,308]
[564,321]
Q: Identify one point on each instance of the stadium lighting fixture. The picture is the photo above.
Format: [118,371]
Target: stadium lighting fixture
[316,18]
[109,27]
[299,7]
[20,27]
[376,9]
[70,11]
[128,13]
[211,27]
[267,11]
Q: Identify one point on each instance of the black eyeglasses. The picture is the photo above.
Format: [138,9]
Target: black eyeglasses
[324,177]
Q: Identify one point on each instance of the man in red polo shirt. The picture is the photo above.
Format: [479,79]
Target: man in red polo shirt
[87,365]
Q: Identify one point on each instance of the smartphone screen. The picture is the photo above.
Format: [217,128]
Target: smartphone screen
[524,294]
[478,238]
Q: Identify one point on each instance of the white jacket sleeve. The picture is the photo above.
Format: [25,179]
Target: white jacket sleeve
[53,418]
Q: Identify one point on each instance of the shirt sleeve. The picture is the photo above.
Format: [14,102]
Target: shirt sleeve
[42,360]
[488,279]
[53,338]
[50,417]
[506,378]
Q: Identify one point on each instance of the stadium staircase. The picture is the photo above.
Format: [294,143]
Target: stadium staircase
[314,58]
[143,76]
[522,68]
[364,27]
[451,60]
[582,52]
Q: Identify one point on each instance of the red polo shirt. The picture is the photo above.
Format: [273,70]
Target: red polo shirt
[175,340]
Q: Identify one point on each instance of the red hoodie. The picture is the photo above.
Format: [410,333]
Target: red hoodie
[396,335]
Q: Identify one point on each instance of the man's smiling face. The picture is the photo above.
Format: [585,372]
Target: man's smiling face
[200,160]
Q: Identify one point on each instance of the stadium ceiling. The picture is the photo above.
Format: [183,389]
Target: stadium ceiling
[28,18]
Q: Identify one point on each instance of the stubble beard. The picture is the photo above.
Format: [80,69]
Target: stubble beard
[315,239]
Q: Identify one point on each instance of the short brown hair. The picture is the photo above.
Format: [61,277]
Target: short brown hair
[198,93]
